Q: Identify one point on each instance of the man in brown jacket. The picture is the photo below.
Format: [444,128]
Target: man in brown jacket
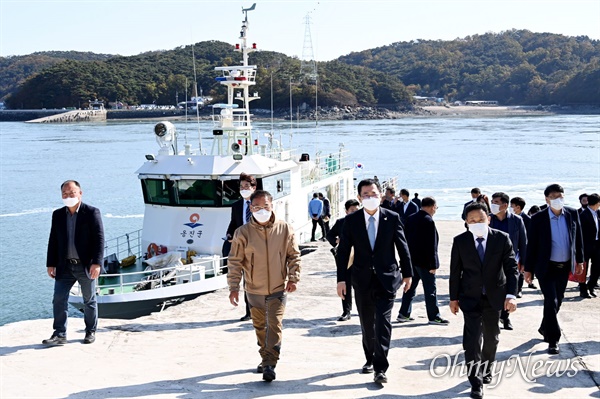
[266,251]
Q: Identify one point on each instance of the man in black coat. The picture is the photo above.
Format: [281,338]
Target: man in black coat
[333,236]
[483,281]
[376,234]
[590,227]
[406,207]
[517,205]
[475,192]
[75,253]
[423,238]
[555,247]
[240,215]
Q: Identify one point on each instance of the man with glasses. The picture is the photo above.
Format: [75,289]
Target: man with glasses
[75,253]
[266,252]
[555,248]
[375,234]
[240,215]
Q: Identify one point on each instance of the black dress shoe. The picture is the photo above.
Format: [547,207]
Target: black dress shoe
[553,349]
[55,340]
[584,294]
[90,337]
[259,368]
[380,378]
[476,392]
[532,286]
[592,293]
[367,368]
[487,379]
[245,318]
[345,316]
[268,373]
[520,294]
[507,324]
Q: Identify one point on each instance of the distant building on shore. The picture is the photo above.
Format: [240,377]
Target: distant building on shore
[482,103]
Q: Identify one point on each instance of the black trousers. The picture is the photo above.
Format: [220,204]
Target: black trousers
[480,340]
[553,286]
[594,265]
[319,221]
[374,306]
[347,301]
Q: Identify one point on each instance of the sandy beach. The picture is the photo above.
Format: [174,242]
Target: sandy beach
[200,349]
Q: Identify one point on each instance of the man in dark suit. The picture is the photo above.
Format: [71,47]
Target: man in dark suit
[333,236]
[416,200]
[326,212]
[518,208]
[475,192]
[389,200]
[590,227]
[483,281]
[240,215]
[555,248]
[422,237]
[375,234]
[583,201]
[514,226]
[75,253]
[406,207]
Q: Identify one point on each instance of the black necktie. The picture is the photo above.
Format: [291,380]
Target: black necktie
[248,212]
[480,250]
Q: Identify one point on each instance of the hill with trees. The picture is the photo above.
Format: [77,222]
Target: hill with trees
[512,67]
[164,77]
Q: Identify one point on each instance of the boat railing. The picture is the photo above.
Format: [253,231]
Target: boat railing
[125,245]
[324,166]
[148,279]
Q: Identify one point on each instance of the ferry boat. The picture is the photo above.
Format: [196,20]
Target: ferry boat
[188,194]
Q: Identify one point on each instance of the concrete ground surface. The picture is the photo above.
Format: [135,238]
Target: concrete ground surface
[200,349]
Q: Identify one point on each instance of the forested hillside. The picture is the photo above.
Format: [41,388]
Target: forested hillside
[513,67]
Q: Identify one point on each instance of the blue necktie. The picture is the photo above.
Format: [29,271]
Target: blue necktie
[481,253]
[248,212]
[480,250]
[371,231]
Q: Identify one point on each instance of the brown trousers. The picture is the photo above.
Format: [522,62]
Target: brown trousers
[267,315]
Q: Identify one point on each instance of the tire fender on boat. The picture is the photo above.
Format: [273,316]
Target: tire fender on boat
[152,250]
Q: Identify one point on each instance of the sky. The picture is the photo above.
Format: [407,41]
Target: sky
[129,27]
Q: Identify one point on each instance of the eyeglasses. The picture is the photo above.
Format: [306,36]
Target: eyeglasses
[255,208]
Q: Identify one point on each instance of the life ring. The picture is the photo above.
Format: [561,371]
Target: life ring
[152,250]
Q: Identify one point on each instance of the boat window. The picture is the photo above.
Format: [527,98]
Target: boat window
[231,192]
[278,185]
[199,192]
[157,191]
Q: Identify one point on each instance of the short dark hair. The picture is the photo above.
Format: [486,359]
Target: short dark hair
[503,197]
[533,210]
[321,195]
[519,202]
[70,181]
[416,195]
[368,182]
[583,196]
[553,188]
[261,193]
[475,190]
[248,178]
[427,201]
[404,192]
[315,195]
[476,206]
[392,190]
[593,199]
[351,202]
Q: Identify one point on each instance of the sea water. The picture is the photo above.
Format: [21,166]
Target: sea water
[442,157]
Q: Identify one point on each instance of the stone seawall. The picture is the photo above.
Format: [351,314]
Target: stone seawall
[86,115]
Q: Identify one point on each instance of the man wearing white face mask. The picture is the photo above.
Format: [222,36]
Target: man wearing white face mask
[75,252]
[240,215]
[514,226]
[376,234]
[266,252]
[483,281]
[555,248]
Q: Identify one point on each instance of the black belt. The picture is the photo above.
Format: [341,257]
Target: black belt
[560,265]
[74,261]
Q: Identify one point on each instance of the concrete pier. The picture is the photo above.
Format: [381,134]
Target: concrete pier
[200,349]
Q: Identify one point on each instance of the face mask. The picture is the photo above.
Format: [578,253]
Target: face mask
[557,204]
[371,204]
[262,216]
[70,202]
[478,229]
[246,193]
[495,209]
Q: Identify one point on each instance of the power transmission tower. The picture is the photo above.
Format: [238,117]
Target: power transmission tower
[308,66]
